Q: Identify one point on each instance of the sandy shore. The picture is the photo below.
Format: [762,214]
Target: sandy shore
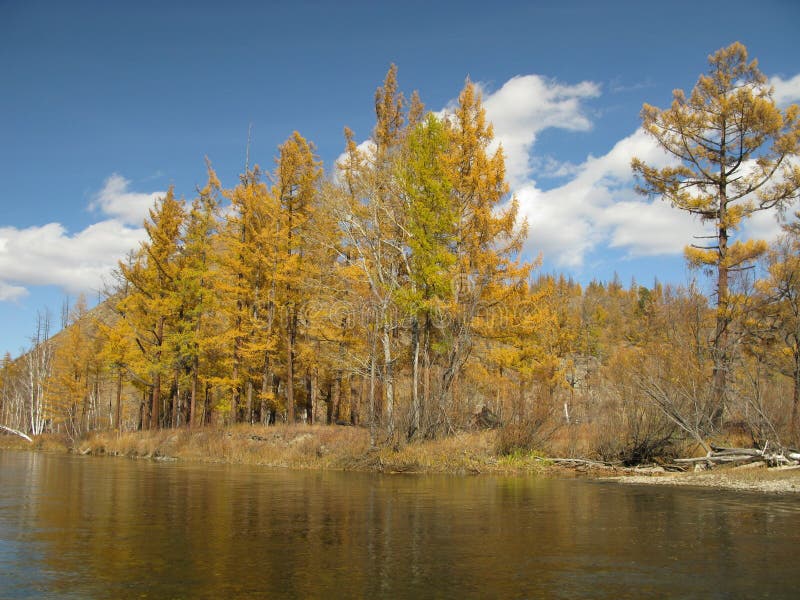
[772,481]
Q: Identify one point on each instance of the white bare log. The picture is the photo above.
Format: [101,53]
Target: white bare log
[722,459]
[581,461]
[743,456]
[736,451]
[16,432]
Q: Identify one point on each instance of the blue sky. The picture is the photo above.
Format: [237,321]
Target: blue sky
[105,104]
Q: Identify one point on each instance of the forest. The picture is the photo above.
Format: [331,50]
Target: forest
[390,292]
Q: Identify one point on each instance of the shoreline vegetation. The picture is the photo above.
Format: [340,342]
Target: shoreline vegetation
[319,447]
[394,297]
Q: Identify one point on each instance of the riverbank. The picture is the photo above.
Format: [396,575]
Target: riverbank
[322,447]
[782,480]
[300,447]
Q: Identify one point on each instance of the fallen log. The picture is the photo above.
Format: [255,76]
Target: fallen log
[787,468]
[743,456]
[580,462]
[16,432]
[722,459]
[736,451]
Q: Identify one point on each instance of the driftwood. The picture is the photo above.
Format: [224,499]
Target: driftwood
[742,456]
[16,432]
[581,464]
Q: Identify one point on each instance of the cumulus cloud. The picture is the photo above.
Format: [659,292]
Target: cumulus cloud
[117,201]
[76,262]
[787,91]
[528,104]
[599,207]
[49,255]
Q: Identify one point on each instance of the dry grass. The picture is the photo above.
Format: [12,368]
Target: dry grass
[304,447]
[347,448]
[42,443]
[313,446]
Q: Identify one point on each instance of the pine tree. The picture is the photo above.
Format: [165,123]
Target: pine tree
[733,146]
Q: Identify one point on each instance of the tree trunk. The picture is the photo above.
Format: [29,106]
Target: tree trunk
[337,397]
[290,373]
[16,432]
[206,416]
[118,411]
[329,405]
[721,358]
[156,399]
[311,392]
[352,401]
[795,417]
[191,422]
[155,402]
[176,400]
[372,377]
[388,379]
[415,401]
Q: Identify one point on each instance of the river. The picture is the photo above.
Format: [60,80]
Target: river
[85,527]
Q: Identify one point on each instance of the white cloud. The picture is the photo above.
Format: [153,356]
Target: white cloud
[547,167]
[599,207]
[762,225]
[528,104]
[49,255]
[9,293]
[787,91]
[649,228]
[76,262]
[117,201]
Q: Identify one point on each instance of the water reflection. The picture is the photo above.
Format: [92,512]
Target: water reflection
[100,528]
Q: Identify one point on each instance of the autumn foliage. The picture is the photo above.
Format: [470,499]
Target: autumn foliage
[392,294]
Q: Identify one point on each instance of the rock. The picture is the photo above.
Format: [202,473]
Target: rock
[485,418]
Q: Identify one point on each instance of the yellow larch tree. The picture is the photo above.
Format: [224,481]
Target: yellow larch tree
[74,381]
[296,185]
[195,289]
[248,255]
[733,147]
[151,304]
[488,237]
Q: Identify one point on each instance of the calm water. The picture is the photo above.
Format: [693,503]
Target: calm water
[82,527]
